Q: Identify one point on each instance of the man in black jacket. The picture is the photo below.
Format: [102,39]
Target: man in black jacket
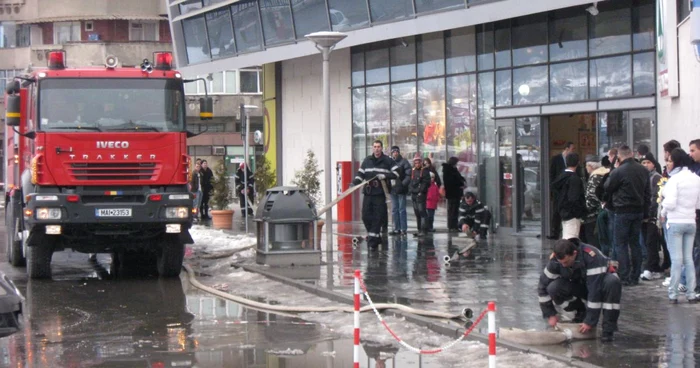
[628,187]
[418,187]
[399,189]
[570,198]
[578,278]
[207,187]
[454,187]
[244,175]
[556,167]
[378,169]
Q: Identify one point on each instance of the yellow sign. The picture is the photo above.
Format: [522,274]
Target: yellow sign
[270,115]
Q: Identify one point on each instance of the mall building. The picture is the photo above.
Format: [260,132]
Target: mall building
[500,84]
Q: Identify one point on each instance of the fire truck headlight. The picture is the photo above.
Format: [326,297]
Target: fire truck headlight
[177,212]
[48,213]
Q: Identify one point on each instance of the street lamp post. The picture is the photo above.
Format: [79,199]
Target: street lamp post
[325,42]
[246,129]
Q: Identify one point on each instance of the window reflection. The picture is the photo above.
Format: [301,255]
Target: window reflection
[220,33]
[196,40]
[378,114]
[503,88]
[610,30]
[385,10]
[276,21]
[462,127]
[568,81]
[358,124]
[190,5]
[460,50]
[211,2]
[502,44]
[403,118]
[644,75]
[377,65]
[403,59]
[611,77]
[432,5]
[348,14]
[358,68]
[612,130]
[431,119]
[484,46]
[643,25]
[246,26]
[431,55]
[309,16]
[530,40]
[487,148]
[568,35]
[530,85]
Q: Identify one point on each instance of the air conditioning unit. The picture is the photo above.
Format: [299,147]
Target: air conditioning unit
[93,36]
[219,151]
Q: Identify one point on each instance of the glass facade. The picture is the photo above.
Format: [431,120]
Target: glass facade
[435,94]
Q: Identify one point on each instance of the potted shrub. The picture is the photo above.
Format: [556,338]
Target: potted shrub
[221,198]
[308,179]
[265,177]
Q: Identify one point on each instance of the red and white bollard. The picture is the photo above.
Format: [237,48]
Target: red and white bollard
[492,334]
[356,348]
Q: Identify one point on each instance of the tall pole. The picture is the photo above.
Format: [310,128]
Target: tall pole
[244,195]
[326,52]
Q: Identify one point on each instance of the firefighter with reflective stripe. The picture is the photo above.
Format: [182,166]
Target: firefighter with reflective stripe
[473,216]
[376,168]
[579,277]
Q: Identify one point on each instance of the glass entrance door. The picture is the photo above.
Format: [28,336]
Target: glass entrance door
[643,132]
[519,179]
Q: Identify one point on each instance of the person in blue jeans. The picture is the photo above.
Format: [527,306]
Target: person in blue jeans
[681,198]
[399,190]
[628,187]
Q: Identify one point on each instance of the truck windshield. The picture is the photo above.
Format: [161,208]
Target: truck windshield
[111,104]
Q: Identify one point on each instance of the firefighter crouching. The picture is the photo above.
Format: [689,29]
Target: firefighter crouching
[376,168]
[578,278]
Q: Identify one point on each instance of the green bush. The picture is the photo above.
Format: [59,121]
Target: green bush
[222,195]
[265,177]
[308,177]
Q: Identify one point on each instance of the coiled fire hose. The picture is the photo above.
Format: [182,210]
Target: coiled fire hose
[280,309]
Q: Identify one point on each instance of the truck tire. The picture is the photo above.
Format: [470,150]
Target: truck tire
[39,261]
[170,257]
[14,245]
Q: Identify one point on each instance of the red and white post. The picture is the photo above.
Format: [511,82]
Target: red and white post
[492,334]
[356,348]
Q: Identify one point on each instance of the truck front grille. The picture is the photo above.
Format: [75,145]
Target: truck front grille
[127,171]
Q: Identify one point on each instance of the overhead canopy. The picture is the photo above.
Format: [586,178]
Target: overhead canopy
[73,18]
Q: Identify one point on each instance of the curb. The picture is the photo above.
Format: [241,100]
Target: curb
[450,331]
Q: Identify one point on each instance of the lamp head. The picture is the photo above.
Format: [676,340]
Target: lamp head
[326,39]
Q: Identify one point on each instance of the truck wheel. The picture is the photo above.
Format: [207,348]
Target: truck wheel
[14,245]
[170,257]
[39,261]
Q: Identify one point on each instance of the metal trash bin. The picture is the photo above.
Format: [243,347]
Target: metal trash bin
[11,319]
[286,228]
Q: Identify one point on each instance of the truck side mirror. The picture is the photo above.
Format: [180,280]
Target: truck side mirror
[12,110]
[206,108]
[12,87]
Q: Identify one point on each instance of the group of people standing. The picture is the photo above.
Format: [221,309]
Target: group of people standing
[396,176]
[202,185]
[644,218]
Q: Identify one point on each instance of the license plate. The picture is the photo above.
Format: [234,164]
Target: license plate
[113,212]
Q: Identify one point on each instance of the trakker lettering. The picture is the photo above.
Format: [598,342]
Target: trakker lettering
[112,144]
[114,157]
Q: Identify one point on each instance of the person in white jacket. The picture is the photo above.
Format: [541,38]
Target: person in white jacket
[681,197]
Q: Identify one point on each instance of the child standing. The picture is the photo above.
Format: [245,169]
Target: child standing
[431,202]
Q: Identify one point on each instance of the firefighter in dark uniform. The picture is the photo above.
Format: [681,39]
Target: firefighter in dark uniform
[578,277]
[376,168]
[473,216]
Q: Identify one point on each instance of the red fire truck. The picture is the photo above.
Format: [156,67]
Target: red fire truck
[96,161]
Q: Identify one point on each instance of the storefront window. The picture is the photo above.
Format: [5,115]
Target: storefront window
[568,35]
[358,68]
[462,127]
[377,65]
[431,55]
[503,88]
[643,19]
[431,119]
[460,50]
[530,40]
[403,59]
[568,81]
[220,33]
[502,44]
[358,124]
[484,46]
[610,30]
[276,21]
[611,77]
[486,136]
[378,114]
[644,76]
[403,118]
[530,85]
[348,14]
[309,17]
[612,130]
